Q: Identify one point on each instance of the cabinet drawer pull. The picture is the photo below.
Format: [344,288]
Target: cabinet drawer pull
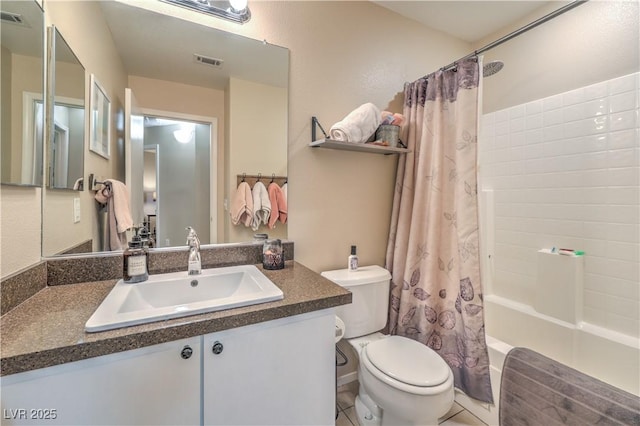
[186,352]
[217,348]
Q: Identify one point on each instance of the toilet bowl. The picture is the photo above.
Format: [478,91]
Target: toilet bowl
[402,381]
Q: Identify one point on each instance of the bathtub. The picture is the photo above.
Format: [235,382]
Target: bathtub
[486,412]
[609,356]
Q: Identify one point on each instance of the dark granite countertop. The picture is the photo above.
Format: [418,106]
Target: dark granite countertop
[48,328]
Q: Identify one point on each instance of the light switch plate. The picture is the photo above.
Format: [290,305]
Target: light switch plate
[76,210]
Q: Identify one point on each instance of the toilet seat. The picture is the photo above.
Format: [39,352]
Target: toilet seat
[406,361]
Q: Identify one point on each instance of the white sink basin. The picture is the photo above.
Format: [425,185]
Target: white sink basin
[175,295]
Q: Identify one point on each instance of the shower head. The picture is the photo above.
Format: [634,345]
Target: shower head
[491,68]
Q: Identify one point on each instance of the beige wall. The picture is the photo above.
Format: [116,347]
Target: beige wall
[68,77]
[20,74]
[61,232]
[20,233]
[149,175]
[176,97]
[256,144]
[5,108]
[26,76]
[594,42]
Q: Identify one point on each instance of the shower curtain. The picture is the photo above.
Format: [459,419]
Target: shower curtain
[436,296]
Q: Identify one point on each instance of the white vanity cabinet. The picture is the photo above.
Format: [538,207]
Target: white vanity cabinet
[280,372]
[272,373]
[157,385]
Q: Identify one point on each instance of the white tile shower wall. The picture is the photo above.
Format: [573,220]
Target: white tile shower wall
[565,171]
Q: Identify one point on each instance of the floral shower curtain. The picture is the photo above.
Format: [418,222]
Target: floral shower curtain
[436,296]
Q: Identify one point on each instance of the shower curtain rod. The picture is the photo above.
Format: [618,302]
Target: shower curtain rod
[515,33]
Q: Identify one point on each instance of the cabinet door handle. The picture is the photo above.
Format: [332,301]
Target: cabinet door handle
[217,348]
[186,352]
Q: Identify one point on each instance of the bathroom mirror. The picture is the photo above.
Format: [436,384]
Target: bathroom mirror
[166,58]
[21,92]
[65,147]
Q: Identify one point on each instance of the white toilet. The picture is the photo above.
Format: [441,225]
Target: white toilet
[402,382]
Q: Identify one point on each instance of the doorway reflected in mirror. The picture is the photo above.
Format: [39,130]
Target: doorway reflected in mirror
[176,173]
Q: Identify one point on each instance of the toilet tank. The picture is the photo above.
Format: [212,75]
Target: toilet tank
[367,312]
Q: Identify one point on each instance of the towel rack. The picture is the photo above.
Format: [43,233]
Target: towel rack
[93,182]
[266,180]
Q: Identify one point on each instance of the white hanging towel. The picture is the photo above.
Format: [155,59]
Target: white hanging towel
[241,210]
[261,205]
[358,126]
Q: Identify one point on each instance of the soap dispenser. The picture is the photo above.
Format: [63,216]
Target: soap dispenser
[136,261]
[195,262]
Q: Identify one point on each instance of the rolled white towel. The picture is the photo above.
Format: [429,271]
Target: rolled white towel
[358,125]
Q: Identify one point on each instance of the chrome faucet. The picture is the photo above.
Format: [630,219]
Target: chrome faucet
[195,265]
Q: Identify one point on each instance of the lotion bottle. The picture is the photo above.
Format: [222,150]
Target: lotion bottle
[136,261]
[353,259]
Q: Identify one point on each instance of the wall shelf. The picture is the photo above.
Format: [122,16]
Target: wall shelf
[360,147]
[347,146]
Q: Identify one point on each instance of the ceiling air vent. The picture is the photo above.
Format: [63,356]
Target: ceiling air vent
[205,60]
[12,18]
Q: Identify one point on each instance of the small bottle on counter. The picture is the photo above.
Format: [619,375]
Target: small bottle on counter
[136,261]
[353,259]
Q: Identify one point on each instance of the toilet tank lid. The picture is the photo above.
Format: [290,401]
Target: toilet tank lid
[363,275]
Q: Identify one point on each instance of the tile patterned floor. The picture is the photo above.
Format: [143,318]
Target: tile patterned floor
[457,416]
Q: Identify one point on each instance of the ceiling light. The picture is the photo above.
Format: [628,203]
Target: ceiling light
[232,10]
[185,133]
[238,6]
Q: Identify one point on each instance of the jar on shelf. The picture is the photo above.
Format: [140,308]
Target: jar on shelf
[272,254]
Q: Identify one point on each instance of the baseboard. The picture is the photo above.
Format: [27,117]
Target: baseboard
[347,378]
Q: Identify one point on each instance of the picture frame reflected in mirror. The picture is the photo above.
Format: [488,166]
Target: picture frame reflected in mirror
[99,120]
